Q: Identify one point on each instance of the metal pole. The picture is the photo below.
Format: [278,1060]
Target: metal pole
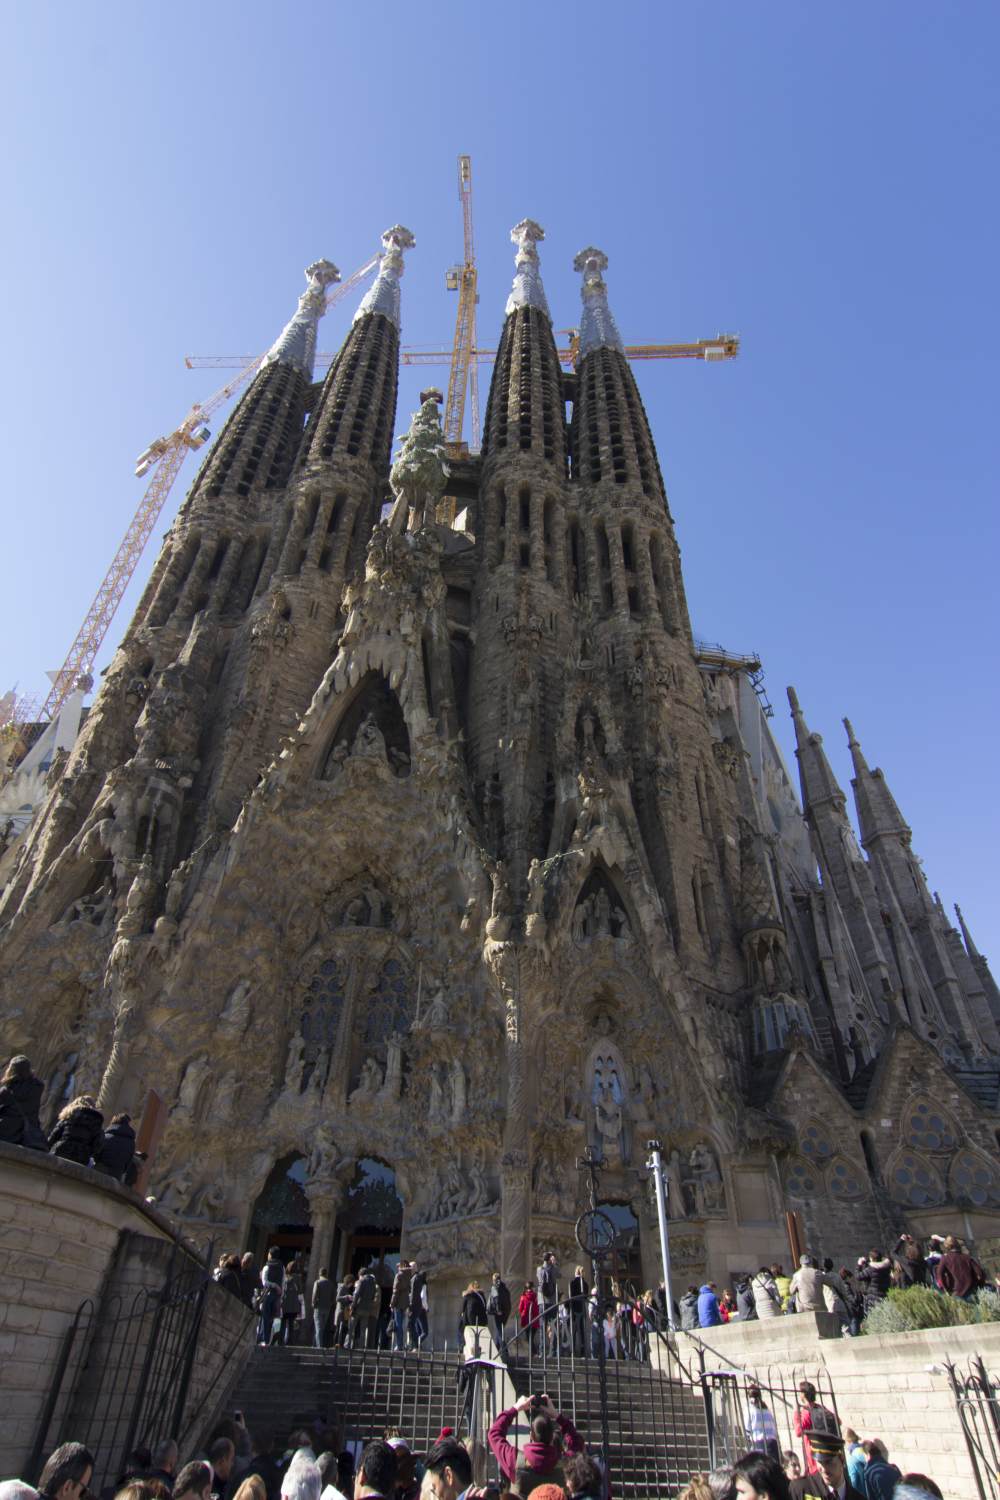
[655,1165]
[589,1163]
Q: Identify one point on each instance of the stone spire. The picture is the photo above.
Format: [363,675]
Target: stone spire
[527,290]
[598,329]
[970,946]
[815,775]
[296,345]
[877,810]
[383,294]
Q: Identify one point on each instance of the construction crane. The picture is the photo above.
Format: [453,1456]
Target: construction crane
[165,455]
[464,367]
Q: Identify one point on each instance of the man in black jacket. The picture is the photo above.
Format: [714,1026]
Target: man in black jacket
[498,1307]
[116,1155]
[579,1294]
[418,1306]
[364,1311]
[547,1281]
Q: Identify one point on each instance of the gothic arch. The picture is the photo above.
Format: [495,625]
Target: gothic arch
[600,908]
[973,1179]
[371,702]
[911,1179]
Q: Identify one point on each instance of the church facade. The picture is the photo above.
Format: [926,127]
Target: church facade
[413,845]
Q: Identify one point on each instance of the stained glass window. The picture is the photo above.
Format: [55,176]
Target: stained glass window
[929,1129]
[801,1181]
[915,1181]
[815,1143]
[844,1180]
[974,1179]
[324,1002]
[390,1005]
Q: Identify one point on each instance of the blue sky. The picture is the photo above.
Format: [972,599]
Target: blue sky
[819,178]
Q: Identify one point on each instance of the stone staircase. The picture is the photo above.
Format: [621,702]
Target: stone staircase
[656,1421]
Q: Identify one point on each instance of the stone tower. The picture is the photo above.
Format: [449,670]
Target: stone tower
[404,858]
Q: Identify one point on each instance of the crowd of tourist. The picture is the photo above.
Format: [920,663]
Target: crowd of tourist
[944,1264]
[79,1132]
[551,1462]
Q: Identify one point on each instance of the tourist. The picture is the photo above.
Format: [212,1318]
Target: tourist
[579,1295]
[689,1309]
[584,1478]
[143,1489]
[538,1462]
[377,1474]
[830,1474]
[272,1278]
[67,1473]
[399,1303]
[746,1307]
[807,1286]
[326,1463]
[766,1297]
[855,1459]
[473,1313]
[293,1304]
[727,1307]
[881,1477]
[301,1480]
[708,1306]
[761,1428]
[935,1247]
[791,1463]
[547,1279]
[322,1304]
[874,1278]
[16,1489]
[853,1301]
[917,1487]
[342,1310]
[447,1470]
[251,1488]
[833,1295]
[248,1278]
[782,1282]
[810,1417]
[758,1477]
[364,1311]
[194,1482]
[228,1276]
[20,1100]
[958,1272]
[221,1455]
[611,1331]
[78,1131]
[116,1155]
[264,1461]
[383,1313]
[498,1308]
[162,1465]
[527,1313]
[910,1262]
[419,1307]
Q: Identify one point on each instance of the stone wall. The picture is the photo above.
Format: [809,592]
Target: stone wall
[892,1386]
[69,1235]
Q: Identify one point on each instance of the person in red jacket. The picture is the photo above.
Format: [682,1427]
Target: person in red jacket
[811,1418]
[958,1273]
[527,1312]
[553,1438]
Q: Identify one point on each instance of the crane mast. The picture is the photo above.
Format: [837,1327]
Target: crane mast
[462,279]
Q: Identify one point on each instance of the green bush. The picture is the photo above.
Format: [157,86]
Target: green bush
[912,1307]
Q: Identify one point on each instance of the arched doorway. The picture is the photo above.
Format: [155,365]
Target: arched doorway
[281,1214]
[371,1218]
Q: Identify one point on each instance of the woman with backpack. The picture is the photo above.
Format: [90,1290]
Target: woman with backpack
[292,1302]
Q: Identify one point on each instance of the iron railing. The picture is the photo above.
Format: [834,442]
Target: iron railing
[976,1394]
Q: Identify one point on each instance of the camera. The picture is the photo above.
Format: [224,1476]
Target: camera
[535,1406]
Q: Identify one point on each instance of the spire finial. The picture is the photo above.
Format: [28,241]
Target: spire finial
[296,344]
[383,294]
[598,329]
[793,702]
[970,946]
[857,756]
[527,290]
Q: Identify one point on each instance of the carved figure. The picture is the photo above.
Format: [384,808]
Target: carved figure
[609,1120]
[706,1180]
[370,1081]
[435,1017]
[436,1106]
[393,1085]
[369,742]
[323,1158]
[194,1076]
[235,1016]
[294,1065]
[458,1091]
[675,1184]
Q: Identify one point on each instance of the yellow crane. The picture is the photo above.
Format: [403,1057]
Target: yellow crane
[165,455]
[464,364]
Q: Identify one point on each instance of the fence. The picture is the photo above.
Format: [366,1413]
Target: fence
[127,1372]
[976,1399]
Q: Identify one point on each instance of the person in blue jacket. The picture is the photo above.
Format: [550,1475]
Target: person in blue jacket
[708,1306]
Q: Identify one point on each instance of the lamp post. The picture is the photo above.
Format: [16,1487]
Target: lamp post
[596,1234]
[655,1165]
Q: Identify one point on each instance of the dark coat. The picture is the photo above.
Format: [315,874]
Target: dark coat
[116,1152]
[230,1280]
[417,1291]
[959,1273]
[291,1297]
[365,1298]
[77,1135]
[689,1310]
[874,1281]
[813,1484]
[745,1305]
[498,1300]
[19,1104]
[474,1310]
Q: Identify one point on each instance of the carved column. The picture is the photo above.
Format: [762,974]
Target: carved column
[323,1198]
[515,1161]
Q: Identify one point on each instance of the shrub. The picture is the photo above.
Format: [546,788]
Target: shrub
[908,1308]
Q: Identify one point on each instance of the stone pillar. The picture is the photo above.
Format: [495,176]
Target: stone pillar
[619,585]
[644,574]
[323,1198]
[515,1161]
[318,538]
[288,561]
[227,573]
